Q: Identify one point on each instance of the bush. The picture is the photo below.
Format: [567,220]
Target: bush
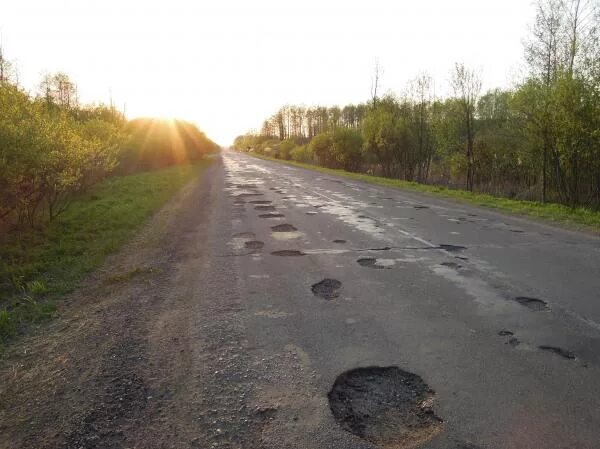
[321,147]
[48,154]
[304,154]
[285,149]
[347,148]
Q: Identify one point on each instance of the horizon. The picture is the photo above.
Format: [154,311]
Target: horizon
[151,59]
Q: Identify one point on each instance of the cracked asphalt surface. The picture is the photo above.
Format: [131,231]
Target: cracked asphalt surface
[241,322]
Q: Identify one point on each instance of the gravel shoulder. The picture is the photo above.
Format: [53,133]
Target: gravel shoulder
[132,360]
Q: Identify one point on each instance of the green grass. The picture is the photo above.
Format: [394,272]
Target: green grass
[39,266]
[556,213]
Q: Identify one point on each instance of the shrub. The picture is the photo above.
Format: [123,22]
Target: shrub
[285,149]
[304,154]
[321,146]
[347,148]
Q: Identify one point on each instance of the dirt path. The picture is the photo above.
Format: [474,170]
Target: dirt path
[137,357]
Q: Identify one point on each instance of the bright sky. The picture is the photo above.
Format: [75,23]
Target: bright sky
[228,64]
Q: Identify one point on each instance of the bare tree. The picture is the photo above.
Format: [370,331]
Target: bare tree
[377,73]
[467,86]
[6,68]
[421,98]
[59,89]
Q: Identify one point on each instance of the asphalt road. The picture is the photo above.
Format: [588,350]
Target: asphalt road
[499,315]
[270,307]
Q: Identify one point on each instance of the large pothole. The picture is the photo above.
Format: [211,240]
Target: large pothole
[387,406]
[327,288]
[271,216]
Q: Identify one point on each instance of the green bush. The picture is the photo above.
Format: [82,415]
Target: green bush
[304,154]
[285,149]
[321,146]
[347,148]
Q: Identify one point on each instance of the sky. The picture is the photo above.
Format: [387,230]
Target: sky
[226,65]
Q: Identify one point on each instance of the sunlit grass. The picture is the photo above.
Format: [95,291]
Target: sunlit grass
[39,266]
[556,213]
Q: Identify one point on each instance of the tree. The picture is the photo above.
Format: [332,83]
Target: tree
[466,84]
[7,70]
[386,135]
[375,80]
[421,98]
[58,89]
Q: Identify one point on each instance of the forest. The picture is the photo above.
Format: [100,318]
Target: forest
[536,140]
[53,149]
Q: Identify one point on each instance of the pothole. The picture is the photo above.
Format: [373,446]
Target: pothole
[514,341]
[454,265]
[260,202]
[327,288]
[452,248]
[386,406]
[340,241]
[254,244]
[368,262]
[559,351]
[420,206]
[506,333]
[288,253]
[264,207]
[271,215]
[311,213]
[283,228]
[535,304]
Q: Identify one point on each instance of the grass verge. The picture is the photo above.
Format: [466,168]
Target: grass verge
[39,266]
[580,218]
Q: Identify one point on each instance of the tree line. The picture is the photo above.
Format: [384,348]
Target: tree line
[539,139]
[52,148]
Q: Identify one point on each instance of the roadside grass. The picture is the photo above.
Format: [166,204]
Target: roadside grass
[556,213]
[39,266]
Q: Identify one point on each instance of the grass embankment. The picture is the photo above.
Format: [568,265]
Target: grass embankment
[39,266]
[556,213]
